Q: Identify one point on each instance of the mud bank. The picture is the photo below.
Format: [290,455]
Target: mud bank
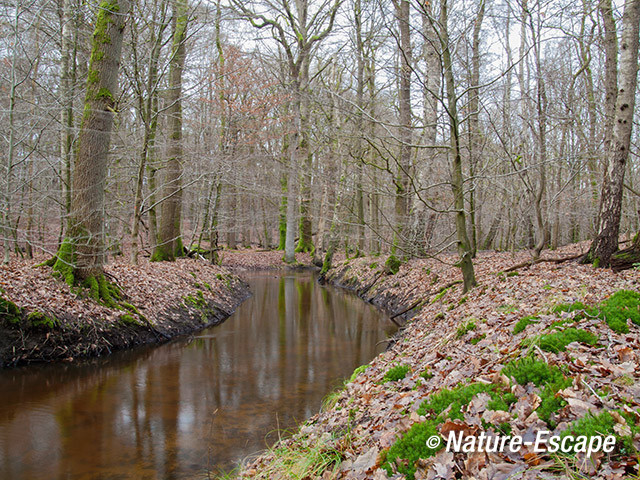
[42,319]
[528,350]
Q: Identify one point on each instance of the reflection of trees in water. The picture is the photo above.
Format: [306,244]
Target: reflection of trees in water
[267,366]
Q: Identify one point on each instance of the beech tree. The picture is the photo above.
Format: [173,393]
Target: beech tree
[169,245]
[80,258]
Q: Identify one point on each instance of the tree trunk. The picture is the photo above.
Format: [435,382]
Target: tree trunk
[402,179]
[606,242]
[81,256]
[457,179]
[474,123]
[149,113]
[169,237]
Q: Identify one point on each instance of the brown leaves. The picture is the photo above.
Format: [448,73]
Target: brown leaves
[603,374]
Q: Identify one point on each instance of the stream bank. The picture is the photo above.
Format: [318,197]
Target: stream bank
[554,316]
[42,319]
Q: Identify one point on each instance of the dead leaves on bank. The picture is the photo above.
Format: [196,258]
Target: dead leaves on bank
[441,355]
[157,290]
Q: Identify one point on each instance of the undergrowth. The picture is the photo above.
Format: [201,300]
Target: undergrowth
[558,341]
[395,373]
[465,328]
[411,447]
[523,323]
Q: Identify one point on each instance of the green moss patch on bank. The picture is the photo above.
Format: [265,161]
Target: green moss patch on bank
[43,318]
[518,354]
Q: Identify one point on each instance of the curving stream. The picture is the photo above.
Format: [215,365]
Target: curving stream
[194,405]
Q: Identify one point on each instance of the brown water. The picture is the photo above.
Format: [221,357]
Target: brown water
[193,405]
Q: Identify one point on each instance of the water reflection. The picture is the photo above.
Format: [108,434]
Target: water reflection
[192,405]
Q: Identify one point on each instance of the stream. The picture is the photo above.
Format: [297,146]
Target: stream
[195,405]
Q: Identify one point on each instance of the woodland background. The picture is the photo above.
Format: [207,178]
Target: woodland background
[372,126]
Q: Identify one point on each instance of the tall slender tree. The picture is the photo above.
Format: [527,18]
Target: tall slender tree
[169,236]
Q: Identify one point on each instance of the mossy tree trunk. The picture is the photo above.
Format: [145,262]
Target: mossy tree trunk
[81,256]
[304,157]
[169,238]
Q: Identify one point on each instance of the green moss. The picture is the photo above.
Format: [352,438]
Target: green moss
[102,291]
[178,250]
[571,307]
[440,295]
[128,319]
[38,319]
[357,372]
[427,375]
[396,373]
[476,340]
[513,274]
[465,328]
[201,304]
[456,398]
[602,425]
[550,401]
[558,341]
[93,77]
[618,308]
[160,254]
[373,265]
[523,323]
[133,309]
[411,447]
[392,264]
[508,308]
[65,261]
[529,369]
[548,378]
[104,94]
[501,400]
[48,263]
[9,311]
[304,246]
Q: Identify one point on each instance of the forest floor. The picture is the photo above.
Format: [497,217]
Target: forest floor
[44,319]
[548,346]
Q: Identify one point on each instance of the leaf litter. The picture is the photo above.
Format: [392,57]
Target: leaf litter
[371,415]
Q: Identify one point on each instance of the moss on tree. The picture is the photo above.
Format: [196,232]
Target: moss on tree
[64,263]
[10,312]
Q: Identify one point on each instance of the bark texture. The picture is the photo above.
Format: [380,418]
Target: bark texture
[81,256]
